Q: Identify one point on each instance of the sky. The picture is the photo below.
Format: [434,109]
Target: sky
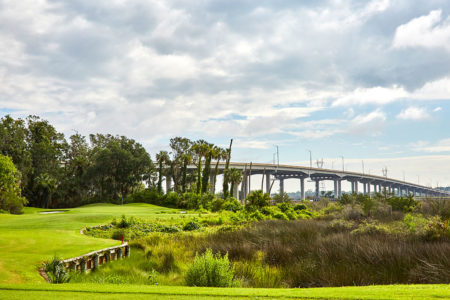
[365,80]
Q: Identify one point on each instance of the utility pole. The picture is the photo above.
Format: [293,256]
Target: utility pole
[343,163]
[362,165]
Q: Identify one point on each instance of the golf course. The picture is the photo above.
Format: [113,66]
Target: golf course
[29,239]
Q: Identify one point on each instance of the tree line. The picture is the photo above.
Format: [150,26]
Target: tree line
[52,171]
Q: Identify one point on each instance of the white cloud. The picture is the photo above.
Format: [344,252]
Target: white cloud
[425,31]
[437,109]
[413,113]
[440,146]
[375,95]
[368,124]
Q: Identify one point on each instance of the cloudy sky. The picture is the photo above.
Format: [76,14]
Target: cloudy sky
[366,80]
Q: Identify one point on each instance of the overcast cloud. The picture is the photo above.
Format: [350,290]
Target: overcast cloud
[320,74]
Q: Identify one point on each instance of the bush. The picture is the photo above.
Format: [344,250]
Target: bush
[258,199]
[118,234]
[191,225]
[125,223]
[299,207]
[210,270]
[404,204]
[55,271]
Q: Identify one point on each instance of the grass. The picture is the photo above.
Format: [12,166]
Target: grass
[108,291]
[27,240]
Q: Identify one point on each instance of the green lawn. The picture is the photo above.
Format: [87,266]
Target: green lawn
[92,291]
[27,240]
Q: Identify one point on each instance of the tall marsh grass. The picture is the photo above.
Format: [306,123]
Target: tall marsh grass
[310,253]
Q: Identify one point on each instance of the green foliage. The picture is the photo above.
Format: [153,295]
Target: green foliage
[10,193]
[282,198]
[192,225]
[258,199]
[56,271]
[409,222]
[126,222]
[299,207]
[118,234]
[210,270]
[404,204]
[437,229]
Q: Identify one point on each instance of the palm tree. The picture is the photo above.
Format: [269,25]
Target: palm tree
[187,159]
[225,179]
[162,157]
[46,186]
[234,176]
[218,154]
[200,148]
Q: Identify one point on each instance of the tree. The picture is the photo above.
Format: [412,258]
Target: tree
[207,169]
[10,193]
[234,176]
[200,148]
[46,146]
[161,158]
[13,135]
[46,186]
[227,165]
[181,151]
[218,154]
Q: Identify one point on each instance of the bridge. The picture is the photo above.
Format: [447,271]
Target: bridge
[370,183]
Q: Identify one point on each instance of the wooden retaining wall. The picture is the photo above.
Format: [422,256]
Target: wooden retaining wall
[92,260]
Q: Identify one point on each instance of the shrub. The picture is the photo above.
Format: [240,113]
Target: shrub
[280,216]
[258,199]
[55,271]
[118,234]
[404,204]
[125,223]
[352,212]
[192,225]
[232,205]
[299,207]
[210,270]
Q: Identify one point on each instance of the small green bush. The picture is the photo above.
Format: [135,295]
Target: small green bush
[55,271]
[210,270]
[118,234]
[191,225]
[299,207]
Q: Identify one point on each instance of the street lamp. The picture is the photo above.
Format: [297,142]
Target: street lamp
[310,159]
[343,170]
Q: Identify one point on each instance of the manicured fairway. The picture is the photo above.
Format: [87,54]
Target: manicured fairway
[91,291]
[26,240]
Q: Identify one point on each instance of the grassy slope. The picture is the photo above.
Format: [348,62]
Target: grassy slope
[26,240]
[139,292]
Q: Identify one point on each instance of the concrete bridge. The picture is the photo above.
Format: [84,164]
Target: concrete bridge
[370,183]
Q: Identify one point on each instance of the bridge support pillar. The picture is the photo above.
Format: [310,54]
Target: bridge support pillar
[317,189]
[368,188]
[364,188]
[339,188]
[281,186]
[168,184]
[302,188]
[336,193]
[356,186]
[268,182]
[235,191]
[353,186]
